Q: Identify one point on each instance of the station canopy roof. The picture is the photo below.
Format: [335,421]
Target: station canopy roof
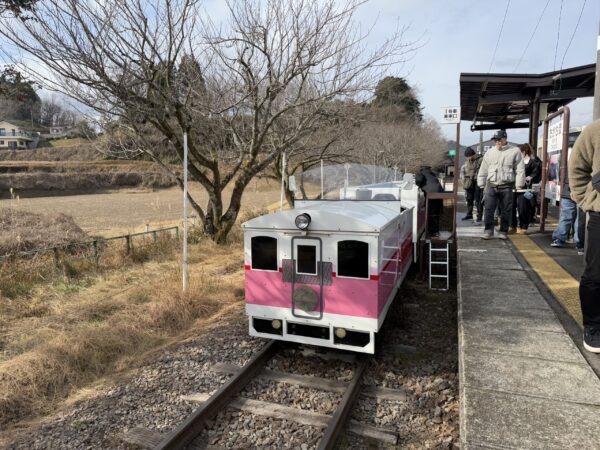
[502,100]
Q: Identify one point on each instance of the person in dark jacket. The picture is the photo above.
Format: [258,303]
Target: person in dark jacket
[473,192]
[525,202]
[428,181]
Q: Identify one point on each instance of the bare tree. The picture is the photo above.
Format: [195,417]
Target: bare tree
[406,145]
[245,91]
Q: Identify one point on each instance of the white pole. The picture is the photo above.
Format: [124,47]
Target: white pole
[321,179]
[185,211]
[347,167]
[282,181]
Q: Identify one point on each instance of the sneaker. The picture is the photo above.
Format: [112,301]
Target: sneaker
[477,221]
[486,236]
[557,243]
[467,217]
[580,251]
[591,339]
[502,235]
[512,230]
[521,231]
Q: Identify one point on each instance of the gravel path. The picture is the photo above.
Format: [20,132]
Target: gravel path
[419,354]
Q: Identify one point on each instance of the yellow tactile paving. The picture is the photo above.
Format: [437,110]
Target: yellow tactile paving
[560,282]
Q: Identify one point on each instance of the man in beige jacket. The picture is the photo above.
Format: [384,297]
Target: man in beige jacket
[584,180]
[502,170]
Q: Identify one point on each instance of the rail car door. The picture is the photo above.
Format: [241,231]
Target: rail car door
[307,277]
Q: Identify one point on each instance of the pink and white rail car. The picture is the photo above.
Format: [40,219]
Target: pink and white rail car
[326,272]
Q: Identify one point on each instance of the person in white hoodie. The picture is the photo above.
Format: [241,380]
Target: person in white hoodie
[502,170]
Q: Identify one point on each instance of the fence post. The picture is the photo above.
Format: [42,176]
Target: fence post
[128,243]
[56,257]
[154,235]
[177,232]
[96,254]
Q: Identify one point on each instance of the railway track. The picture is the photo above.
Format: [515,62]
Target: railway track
[184,435]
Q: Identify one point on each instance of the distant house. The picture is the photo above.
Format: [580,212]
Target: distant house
[14,137]
[58,132]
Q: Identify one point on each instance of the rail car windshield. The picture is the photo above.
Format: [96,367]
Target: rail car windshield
[352,182]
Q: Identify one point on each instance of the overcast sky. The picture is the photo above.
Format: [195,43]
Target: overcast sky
[460,36]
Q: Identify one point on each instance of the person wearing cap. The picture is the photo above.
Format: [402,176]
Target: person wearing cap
[502,170]
[584,179]
[472,190]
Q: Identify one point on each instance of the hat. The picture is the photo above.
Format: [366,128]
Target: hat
[469,152]
[500,134]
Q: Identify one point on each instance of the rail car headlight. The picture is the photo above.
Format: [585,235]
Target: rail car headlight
[303,221]
[276,324]
[340,333]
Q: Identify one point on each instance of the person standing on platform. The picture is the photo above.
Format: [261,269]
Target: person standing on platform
[568,218]
[584,175]
[525,202]
[502,170]
[472,191]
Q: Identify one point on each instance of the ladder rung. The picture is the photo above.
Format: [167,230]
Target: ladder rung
[438,276]
[440,263]
[439,250]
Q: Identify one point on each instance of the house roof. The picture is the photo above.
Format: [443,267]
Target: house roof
[503,99]
[342,215]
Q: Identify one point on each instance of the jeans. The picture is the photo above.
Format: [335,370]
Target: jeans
[568,219]
[503,198]
[589,288]
[474,198]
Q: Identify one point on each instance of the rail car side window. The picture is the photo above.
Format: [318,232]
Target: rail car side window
[264,253]
[353,259]
[306,261]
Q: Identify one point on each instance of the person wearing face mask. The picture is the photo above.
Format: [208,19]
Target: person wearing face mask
[502,170]
[473,192]
[525,202]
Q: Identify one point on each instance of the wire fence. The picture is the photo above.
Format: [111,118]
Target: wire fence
[20,270]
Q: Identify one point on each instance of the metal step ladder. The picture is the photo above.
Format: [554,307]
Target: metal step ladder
[439,256]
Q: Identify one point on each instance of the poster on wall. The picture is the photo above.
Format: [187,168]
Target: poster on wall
[554,150]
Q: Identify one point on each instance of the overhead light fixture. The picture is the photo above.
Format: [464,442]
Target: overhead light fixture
[302,221]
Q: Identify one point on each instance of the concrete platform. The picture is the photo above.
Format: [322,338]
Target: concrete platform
[523,382]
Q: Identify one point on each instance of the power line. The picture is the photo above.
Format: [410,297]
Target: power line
[574,31]
[532,35]
[499,35]
[557,35]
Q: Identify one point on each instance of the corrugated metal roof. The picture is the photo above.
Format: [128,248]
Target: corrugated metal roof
[503,99]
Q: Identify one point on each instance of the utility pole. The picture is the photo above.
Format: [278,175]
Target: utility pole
[597,84]
[185,212]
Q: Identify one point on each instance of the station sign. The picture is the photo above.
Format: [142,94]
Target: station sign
[450,114]
[452,152]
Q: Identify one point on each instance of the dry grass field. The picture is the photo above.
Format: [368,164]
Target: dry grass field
[126,210]
[70,332]
[66,332]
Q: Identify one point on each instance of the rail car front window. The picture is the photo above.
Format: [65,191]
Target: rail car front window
[353,259]
[306,260]
[264,253]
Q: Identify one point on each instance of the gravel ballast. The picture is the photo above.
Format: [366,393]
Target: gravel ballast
[417,352]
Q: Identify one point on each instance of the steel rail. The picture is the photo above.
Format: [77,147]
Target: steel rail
[189,429]
[342,412]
